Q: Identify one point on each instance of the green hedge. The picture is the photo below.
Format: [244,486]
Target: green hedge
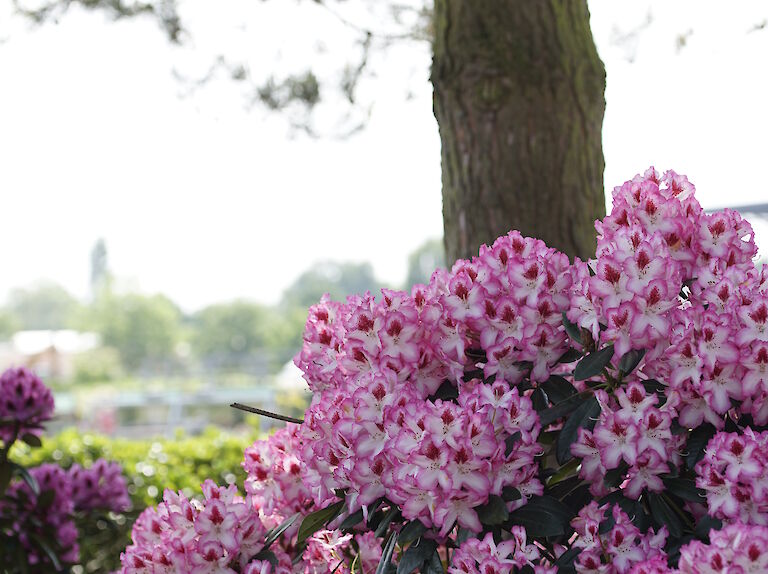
[150,466]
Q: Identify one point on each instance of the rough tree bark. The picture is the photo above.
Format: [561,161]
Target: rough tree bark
[519,98]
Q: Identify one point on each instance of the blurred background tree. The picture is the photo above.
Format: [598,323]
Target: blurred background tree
[145,329]
[232,336]
[423,262]
[336,279]
[45,305]
[518,96]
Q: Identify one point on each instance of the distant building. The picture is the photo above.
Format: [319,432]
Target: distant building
[51,354]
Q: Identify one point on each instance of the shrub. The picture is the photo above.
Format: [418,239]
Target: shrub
[41,507]
[149,466]
[521,412]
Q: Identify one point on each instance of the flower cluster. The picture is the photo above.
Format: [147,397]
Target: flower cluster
[25,403]
[274,479]
[680,286]
[436,459]
[506,304]
[735,548]
[380,423]
[476,556]
[645,249]
[183,535]
[632,431]
[47,512]
[734,475]
[102,486]
[617,549]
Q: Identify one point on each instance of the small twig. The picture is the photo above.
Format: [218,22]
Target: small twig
[264,413]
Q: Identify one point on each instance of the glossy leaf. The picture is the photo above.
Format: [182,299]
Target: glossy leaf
[510,493]
[572,329]
[564,472]
[415,556]
[275,533]
[685,488]
[410,532]
[697,442]
[630,360]
[352,520]
[318,519]
[593,364]
[493,512]
[558,389]
[386,555]
[539,399]
[585,416]
[543,516]
[563,408]
[386,521]
[664,515]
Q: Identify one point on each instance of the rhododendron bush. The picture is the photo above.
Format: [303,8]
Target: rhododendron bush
[40,507]
[522,412]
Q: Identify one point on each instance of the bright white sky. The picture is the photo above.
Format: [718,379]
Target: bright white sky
[205,200]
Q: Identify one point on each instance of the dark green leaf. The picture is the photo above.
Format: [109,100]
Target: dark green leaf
[685,488]
[275,533]
[410,532]
[510,441]
[46,547]
[26,477]
[616,475]
[32,440]
[705,525]
[572,329]
[697,442]
[663,515]
[653,386]
[386,555]
[561,409]
[558,389]
[632,508]
[416,555]
[584,416]
[493,512]
[269,556]
[5,477]
[593,364]
[565,471]
[472,374]
[352,520]
[567,558]
[510,493]
[539,399]
[446,392]
[630,360]
[386,521]
[318,519]
[570,356]
[543,516]
[435,565]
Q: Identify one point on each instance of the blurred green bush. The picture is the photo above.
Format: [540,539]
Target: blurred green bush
[150,466]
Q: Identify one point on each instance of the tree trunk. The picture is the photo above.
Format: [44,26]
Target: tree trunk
[518,95]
